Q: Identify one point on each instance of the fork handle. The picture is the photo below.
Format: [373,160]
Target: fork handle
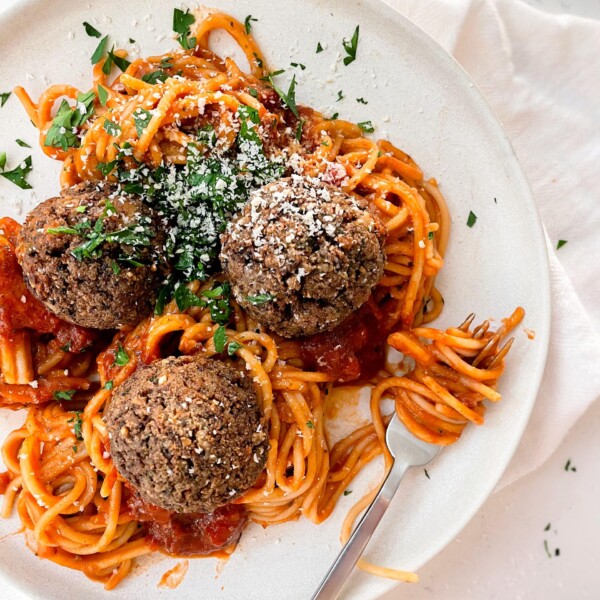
[342,567]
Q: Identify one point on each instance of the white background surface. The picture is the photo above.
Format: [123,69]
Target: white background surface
[501,553]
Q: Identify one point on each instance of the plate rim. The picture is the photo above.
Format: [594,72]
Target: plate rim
[450,64]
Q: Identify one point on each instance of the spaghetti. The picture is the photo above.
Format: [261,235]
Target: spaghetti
[61,479]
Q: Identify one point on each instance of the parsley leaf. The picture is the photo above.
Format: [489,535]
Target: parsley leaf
[109,385]
[102,95]
[288,99]
[347,492]
[220,339]
[310,425]
[64,395]
[2,160]
[111,128]
[77,425]
[472,218]
[248,23]
[362,101]
[351,47]
[141,118]
[121,356]
[340,96]
[185,298]
[100,50]
[22,143]
[4,97]
[319,48]
[295,64]
[63,131]
[119,61]
[260,299]
[154,77]
[233,347]
[366,126]
[299,129]
[91,31]
[181,25]
[19,174]
[560,244]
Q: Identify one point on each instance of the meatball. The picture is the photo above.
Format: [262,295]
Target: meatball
[302,256]
[187,433]
[93,256]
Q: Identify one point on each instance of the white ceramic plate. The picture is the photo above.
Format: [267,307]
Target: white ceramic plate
[420,99]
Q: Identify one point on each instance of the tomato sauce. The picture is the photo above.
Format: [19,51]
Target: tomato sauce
[194,534]
[355,349]
[18,307]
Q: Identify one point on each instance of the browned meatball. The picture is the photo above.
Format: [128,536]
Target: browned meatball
[302,256]
[187,433]
[93,256]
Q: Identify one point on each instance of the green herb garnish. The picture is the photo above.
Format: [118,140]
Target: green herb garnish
[350,47]
[361,101]
[366,126]
[141,118]
[560,244]
[22,143]
[4,97]
[63,132]
[181,25]
[295,64]
[121,356]
[260,299]
[426,474]
[347,492]
[547,528]
[258,60]
[220,339]
[299,128]
[471,219]
[77,425]
[109,385]
[2,160]
[64,395]
[289,98]
[340,96]
[111,128]
[100,50]
[310,425]
[233,347]
[66,347]
[319,48]
[102,95]
[19,174]
[91,31]
[248,23]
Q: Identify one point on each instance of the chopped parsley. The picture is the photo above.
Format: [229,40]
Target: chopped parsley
[4,96]
[362,101]
[430,235]
[350,47]
[181,25]
[64,130]
[569,466]
[289,98]
[19,174]
[426,474]
[217,299]
[121,356]
[333,117]
[319,48]
[109,385]
[22,143]
[91,31]
[366,126]
[77,424]
[560,244]
[220,339]
[66,347]
[64,395]
[253,92]
[547,549]
[141,118]
[100,50]
[300,65]
[310,424]
[258,60]
[299,128]
[268,76]
[347,492]
[114,59]
[154,77]
[131,41]
[233,347]
[111,128]
[248,23]
[340,96]
[260,299]
[102,95]
[547,528]
[472,219]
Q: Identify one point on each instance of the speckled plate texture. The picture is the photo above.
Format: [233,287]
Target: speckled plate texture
[420,99]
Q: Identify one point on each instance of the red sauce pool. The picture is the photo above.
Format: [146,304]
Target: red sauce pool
[353,350]
[194,534]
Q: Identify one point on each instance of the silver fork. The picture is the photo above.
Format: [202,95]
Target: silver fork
[408,451]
